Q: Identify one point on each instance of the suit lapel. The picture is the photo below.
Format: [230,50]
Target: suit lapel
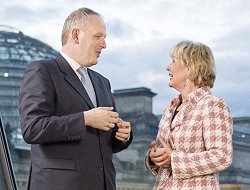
[72,79]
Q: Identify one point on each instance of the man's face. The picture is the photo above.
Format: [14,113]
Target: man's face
[91,41]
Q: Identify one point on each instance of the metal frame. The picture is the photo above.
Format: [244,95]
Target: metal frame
[7,176]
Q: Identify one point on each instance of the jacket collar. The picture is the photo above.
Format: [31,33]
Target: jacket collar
[192,99]
[72,79]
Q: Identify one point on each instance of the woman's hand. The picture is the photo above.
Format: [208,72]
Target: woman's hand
[160,156]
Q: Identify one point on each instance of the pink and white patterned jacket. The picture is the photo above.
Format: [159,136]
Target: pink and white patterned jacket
[201,138]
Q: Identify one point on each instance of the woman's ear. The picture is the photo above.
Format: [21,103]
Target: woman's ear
[188,72]
[187,77]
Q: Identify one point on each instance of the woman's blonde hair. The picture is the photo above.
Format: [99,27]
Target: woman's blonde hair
[199,59]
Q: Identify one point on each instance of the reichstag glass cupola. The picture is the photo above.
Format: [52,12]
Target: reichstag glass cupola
[16,51]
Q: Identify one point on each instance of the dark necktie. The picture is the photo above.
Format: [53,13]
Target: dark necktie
[87,84]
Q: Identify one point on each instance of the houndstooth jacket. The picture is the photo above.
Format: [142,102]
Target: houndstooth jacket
[201,138]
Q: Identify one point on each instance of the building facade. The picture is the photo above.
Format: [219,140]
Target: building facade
[135,105]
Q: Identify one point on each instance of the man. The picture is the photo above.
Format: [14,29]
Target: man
[73,127]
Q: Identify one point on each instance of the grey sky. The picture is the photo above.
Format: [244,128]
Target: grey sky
[141,33]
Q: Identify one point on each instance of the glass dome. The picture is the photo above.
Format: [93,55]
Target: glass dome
[16,52]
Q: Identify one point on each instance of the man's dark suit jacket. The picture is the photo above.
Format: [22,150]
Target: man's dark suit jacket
[65,154]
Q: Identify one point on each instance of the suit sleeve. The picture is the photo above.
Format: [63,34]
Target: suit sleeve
[36,107]
[117,145]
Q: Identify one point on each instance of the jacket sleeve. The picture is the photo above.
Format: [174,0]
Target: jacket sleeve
[149,165]
[36,107]
[217,139]
[118,145]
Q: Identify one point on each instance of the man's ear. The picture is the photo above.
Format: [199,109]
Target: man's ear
[75,35]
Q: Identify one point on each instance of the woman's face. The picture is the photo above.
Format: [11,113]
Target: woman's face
[178,73]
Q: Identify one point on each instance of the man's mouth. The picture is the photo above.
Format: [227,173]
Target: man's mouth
[170,75]
[98,53]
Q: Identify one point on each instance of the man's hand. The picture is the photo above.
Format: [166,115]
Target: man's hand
[124,129]
[103,118]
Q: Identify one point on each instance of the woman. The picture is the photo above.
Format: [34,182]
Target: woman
[194,140]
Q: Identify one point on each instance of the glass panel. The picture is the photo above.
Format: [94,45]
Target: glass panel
[7,177]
